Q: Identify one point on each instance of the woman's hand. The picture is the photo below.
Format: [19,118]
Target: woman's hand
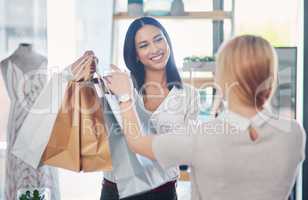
[85,66]
[119,82]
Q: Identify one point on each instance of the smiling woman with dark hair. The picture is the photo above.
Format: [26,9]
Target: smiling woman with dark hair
[165,103]
[133,49]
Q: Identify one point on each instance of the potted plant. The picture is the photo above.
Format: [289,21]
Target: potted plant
[199,62]
[177,8]
[33,194]
[135,7]
[157,7]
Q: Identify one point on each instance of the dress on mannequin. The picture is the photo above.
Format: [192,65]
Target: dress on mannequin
[24,74]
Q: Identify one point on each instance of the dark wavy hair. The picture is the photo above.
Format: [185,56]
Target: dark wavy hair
[136,67]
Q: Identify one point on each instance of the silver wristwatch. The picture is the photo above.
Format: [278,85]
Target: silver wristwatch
[124,98]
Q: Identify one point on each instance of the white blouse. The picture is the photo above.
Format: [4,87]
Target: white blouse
[180,106]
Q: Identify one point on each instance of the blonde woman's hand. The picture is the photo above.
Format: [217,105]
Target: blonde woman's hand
[119,82]
[85,66]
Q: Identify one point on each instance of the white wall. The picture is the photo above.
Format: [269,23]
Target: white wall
[75,26]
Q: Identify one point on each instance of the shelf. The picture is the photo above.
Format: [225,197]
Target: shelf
[198,69]
[213,15]
[207,67]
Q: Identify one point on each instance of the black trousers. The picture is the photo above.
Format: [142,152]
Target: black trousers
[164,192]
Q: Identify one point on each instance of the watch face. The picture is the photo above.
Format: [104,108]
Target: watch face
[124,98]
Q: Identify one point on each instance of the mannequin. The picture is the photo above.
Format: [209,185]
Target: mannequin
[24,57]
[24,75]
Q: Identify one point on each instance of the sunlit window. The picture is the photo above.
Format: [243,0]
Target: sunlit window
[275,20]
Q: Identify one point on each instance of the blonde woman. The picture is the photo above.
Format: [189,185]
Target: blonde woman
[246,152]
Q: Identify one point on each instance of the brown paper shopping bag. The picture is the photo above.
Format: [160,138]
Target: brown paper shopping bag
[78,141]
[63,146]
[95,153]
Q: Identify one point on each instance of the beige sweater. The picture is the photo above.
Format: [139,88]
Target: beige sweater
[227,165]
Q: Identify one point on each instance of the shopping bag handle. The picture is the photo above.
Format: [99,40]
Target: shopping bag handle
[101,82]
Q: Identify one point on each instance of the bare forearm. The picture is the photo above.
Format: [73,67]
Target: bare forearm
[131,128]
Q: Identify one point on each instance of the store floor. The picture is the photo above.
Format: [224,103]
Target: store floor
[80,186]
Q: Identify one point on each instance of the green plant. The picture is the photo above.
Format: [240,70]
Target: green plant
[199,59]
[135,1]
[35,196]
[23,197]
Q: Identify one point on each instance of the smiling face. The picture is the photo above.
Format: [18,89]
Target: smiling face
[152,48]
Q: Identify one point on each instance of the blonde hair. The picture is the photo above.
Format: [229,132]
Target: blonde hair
[250,62]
